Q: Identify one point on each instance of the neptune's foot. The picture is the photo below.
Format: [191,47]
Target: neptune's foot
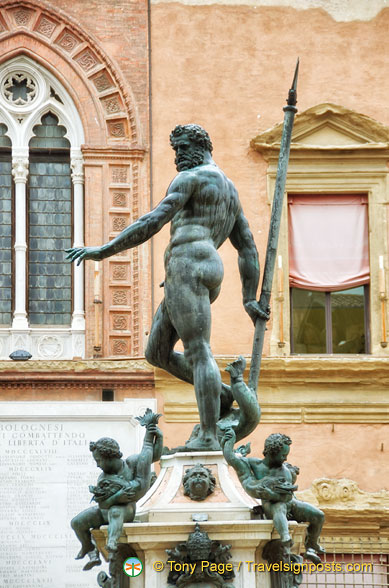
[204,442]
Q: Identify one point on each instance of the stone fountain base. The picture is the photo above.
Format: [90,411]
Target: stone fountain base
[166,517]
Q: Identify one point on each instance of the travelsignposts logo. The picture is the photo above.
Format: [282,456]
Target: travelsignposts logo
[133,567]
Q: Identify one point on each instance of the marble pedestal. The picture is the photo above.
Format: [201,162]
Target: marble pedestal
[166,517]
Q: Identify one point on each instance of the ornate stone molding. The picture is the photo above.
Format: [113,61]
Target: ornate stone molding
[124,367]
[51,26]
[113,153]
[341,493]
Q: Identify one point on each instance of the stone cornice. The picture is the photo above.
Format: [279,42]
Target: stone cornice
[80,374]
[78,366]
[324,390]
[112,153]
[316,369]
[296,412]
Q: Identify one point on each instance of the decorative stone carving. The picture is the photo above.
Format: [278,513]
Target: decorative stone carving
[330,490]
[199,482]
[46,27]
[120,347]
[332,493]
[117,129]
[119,272]
[87,60]
[64,366]
[20,342]
[77,166]
[46,21]
[119,199]
[120,298]
[120,322]
[102,82]
[20,169]
[22,17]
[19,89]
[136,329]
[112,104]
[200,548]
[119,175]
[79,346]
[68,42]
[119,223]
[50,347]
[53,94]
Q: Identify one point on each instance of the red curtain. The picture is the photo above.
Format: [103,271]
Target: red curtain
[328,242]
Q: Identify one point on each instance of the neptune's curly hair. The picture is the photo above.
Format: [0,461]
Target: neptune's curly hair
[106,446]
[196,133]
[275,442]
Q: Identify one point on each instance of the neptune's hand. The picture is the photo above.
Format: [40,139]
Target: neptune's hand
[81,253]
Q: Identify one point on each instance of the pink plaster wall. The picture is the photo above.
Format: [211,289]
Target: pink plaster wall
[350,451]
[221,67]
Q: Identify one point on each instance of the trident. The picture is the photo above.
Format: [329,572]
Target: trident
[275,221]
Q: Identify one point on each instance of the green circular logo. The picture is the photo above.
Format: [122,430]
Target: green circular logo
[133,567]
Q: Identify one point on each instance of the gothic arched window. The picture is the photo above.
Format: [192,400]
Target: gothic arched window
[49,225]
[41,214]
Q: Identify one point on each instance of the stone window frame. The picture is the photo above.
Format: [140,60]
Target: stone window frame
[334,150]
[42,342]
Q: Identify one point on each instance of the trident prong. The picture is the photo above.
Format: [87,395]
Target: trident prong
[292,96]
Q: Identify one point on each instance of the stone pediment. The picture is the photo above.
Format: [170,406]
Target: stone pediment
[327,127]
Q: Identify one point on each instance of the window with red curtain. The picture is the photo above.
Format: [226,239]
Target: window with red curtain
[329,273]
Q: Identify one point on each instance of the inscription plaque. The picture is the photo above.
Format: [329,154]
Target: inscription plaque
[45,470]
